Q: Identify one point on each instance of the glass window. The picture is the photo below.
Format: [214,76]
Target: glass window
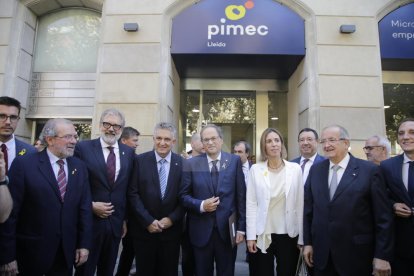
[83,128]
[278,113]
[67,41]
[399,104]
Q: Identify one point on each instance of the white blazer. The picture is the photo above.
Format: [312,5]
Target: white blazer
[258,199]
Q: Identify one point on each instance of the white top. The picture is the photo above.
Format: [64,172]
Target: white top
[276,219]
[340,172]
[307,167]
[11,151]
[166,164]
[106,151]
[55,166]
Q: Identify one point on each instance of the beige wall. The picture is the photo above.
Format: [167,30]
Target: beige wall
[339,81]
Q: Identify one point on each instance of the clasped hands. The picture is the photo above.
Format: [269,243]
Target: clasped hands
[157,226]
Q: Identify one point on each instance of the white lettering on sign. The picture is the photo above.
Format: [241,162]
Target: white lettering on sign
[213,30]
[402,34]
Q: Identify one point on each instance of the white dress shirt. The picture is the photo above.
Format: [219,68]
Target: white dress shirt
[307,167]
[11,151]
[166,164]
[405,168]
[340,172]
[106,151]
[55,166]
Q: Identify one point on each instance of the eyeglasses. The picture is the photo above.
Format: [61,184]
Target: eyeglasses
[369,148]
[330,141]
[109,125]
[68,137]
[309,140]
[207,140]
[13,118]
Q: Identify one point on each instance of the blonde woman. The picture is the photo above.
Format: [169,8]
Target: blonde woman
[274,209]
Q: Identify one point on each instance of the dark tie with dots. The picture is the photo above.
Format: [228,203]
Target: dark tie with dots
[214,175]
[6,156]
[111,165]
[411,180]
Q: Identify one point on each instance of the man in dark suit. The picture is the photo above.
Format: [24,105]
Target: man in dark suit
[50,228]
[308,146]
[156,214]
[347,216]
[399,175]
[9,118]
[110,165]
[129,137]
[212,190]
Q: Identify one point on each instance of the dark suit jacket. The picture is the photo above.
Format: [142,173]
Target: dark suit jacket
[356,225]
[318,159]
[91,153]
[145,198]
[40,222]
[404,227]
[23,148]
[197,186]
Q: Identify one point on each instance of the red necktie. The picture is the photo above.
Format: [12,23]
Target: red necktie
[110,165]
[61,179]
[6,157]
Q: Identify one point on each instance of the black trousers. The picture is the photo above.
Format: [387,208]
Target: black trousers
[285,249]
[127,256]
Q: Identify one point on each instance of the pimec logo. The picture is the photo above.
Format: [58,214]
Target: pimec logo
[234,13]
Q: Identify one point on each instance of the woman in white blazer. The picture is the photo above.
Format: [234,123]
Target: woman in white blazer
[274,209]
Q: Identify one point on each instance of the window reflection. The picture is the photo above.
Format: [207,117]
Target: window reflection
[67,41]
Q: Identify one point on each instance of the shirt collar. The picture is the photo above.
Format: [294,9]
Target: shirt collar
[218,158]
[11,143]
[312,158]
[105,145]
[406,159]
[53,158]
[167,158]
[344,162]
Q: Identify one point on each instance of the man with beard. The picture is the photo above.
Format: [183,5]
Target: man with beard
[50,228]
[110,166]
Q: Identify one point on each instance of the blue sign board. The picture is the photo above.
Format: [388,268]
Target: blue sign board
[396,32]
[238,27]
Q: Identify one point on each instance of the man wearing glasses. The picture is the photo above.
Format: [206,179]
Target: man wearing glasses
[308,145]
[377,149]
[212,189]
[50,229]
[9,118]
[347,226]
[110,165]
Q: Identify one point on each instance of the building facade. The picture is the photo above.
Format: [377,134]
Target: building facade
[244,65]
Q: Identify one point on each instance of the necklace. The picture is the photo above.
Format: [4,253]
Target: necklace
[276,167]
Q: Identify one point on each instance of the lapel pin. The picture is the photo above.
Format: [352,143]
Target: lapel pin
[74,171]
[123,153]
[354,174]
[176,164]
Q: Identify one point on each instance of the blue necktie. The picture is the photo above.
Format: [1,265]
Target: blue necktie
[411,180]
[163,177]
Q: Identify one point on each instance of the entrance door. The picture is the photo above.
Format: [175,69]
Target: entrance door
[234,111]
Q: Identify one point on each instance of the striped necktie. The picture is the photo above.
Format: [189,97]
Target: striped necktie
[334,181]
[111,166]
[61,179]
[162,174]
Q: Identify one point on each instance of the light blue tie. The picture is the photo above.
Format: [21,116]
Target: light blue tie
[334,181]
[163,177]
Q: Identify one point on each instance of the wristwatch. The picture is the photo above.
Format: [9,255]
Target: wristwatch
[5,181]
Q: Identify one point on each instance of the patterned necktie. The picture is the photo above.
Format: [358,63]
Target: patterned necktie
[111,165]
[411,180]
[334,181]
[61,179]
[303,164]
[6,156]
[214,175]
[162,174]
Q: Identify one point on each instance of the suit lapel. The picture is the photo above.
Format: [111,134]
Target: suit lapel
[154,173]
[204,170]
[397,175]
[350,173]
[72,175]
[100,159]
[123,159]
[174,169]
[289,180]
[46,169]
[324,183]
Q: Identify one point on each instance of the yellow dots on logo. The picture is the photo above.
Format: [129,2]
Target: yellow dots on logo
[234,12]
